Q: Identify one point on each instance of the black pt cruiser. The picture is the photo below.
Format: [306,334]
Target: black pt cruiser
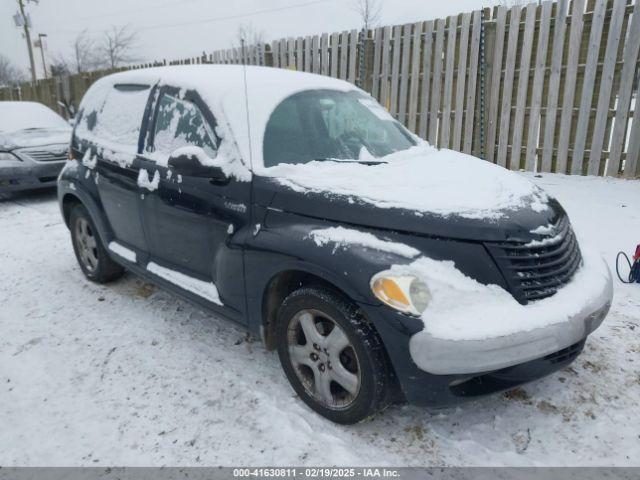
[380,268]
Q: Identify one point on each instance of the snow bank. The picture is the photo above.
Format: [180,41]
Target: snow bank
[464,309]
[344,237]
[423,179]
[201,288]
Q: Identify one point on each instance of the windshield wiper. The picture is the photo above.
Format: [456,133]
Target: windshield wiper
[339,160]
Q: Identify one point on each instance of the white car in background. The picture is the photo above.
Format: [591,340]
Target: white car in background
[34,144]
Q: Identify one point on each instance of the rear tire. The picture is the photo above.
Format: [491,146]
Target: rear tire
[93,258]
[333,358]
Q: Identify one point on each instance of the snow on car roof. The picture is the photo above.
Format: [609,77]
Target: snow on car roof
[222,87]
[16,116]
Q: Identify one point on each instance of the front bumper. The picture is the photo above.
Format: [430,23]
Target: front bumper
[466,339]
[445,357]
[29,174]
[438,372]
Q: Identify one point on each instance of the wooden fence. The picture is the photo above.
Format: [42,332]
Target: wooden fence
[546,88]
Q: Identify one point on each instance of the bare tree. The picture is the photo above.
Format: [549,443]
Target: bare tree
[59,66]
[118,45]
[248,33]
[369,11]
[86,54]
[9,73]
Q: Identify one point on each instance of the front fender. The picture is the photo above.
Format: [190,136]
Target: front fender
[284,243]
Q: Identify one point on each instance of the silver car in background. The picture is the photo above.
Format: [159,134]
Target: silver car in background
[34,144]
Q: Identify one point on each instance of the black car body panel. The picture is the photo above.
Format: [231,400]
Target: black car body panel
[243,236]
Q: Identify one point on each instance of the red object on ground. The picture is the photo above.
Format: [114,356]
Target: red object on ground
[637,255]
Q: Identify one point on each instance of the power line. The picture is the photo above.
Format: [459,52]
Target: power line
[215,19]
[140,9]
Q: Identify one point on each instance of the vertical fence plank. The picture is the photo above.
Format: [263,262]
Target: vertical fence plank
[523,85]
[604,95]
[415,76]
[629,68]
[324,47]
[344,52]
[404,74]
[559,30]
[471,84]
[308,59]
[632,166]
[315,54]
[507,88]
[283,53]
[461,77]
[335,41]
[395,69]
[384,74]
[300,54]
[375,74]
[290,53]
[436,82]
[427,55]
[597,23]
[445,121]
[538,81]
[494,91]
[353,56]
[275,46]
[575,37]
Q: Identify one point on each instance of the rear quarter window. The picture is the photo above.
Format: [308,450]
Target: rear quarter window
[112,117]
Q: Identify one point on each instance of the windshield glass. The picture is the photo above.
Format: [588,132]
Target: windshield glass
[22,115]
[331,125]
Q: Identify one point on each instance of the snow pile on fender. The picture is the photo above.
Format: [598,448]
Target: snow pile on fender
[344,237]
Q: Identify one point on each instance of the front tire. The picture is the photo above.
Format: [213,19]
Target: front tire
[93,258]
[333,358]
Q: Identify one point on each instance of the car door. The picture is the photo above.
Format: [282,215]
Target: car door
[116,128]
[193,224]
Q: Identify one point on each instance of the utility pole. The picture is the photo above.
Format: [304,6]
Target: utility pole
[40,44]
[28,38]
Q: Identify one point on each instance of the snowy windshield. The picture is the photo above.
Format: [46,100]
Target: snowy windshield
[331,125]
[23,115]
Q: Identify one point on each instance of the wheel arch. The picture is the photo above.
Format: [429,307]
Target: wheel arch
[284,282]
[70,197]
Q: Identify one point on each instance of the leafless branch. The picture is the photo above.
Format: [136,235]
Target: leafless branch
[118,45]
[248,33]
[369,11]
[9,73]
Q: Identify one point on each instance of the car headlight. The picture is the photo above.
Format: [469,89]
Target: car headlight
[9,157]
[405,293]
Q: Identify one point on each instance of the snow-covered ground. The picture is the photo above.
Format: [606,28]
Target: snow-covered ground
[127,374]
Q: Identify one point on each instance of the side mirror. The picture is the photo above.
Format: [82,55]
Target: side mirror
[191,162]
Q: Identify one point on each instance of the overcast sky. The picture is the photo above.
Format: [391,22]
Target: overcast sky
[179,28]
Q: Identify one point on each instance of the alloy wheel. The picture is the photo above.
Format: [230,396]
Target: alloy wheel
[323,358]
[87,245]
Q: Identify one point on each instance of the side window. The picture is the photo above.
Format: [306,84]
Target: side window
[180,123]
[115,121]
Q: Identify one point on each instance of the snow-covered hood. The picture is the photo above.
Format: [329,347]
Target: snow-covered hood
[422,190]
[35,137]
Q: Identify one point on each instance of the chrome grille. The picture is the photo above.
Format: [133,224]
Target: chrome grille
[537,269]
[57,154]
